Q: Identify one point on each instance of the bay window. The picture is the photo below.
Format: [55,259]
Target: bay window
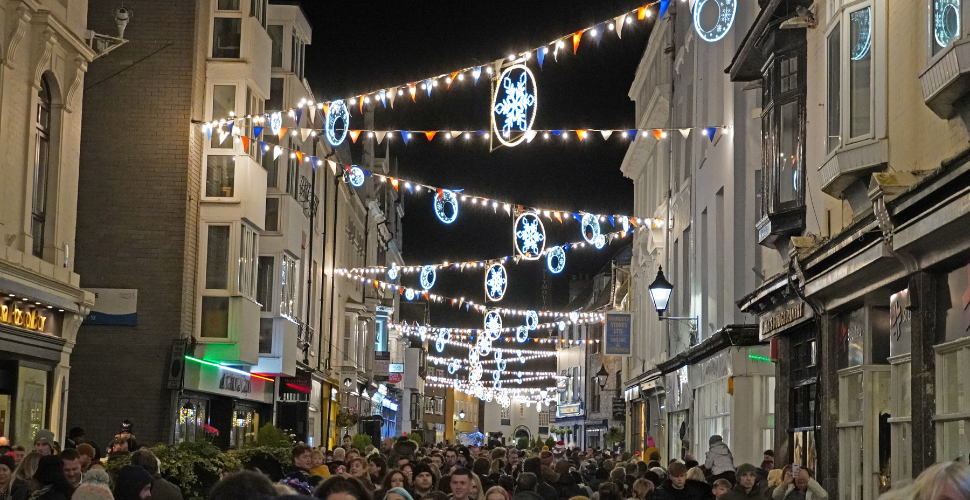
[215,301]
[265,270]
[860,72]
[849,98]
[945,23]
[220,176]
[254,106]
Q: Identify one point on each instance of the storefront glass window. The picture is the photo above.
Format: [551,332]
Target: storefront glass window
[244,425]
[953,427]
[192,417]
[713,412]
[31,403]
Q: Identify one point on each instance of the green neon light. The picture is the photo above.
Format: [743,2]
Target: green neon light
[227,368]
[759,358]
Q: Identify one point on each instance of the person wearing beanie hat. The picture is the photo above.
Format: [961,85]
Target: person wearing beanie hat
[8,465]
[133,483]
[95,486]
[425,480]
[748,486]
[719,460]
[398,494]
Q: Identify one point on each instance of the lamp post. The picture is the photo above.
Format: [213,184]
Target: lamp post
[602,376]
[660,294]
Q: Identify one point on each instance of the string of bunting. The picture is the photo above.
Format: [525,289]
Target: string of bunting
[558,46]
[470,334]
[711,132]
[517,380]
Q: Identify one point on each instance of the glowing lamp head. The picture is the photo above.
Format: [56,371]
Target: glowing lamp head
[660,292]
[601,376]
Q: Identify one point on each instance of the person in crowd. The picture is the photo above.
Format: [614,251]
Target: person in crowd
[133,483]
[425,479]
[398,494]
[564,483]
[352,453]
[525,487]
[243,485]
[339,460]
[608,491]
[496,493]
[481,467]
[642,489]
[51,481]
[127,432]
[95,486]
[7,467]
[20,452]
[800,487]
[477,492]
[358,470]
[72,466]
[775,477]
[618,478]
[387,446]
[942,481]
[161,488]
[695,473]
[748,486]
[88,456]
[320,468]
[119,448]
[342,487]
[393,479]
[438,460]
[348,442]
[507,483]
[769,456]
[408,469]
[514,462]
[678,487]
[462,483]
[299,477]
[376,469]
[719,459]
[451,460]
[44,442]
[24,482]
[534,465]
[720,488]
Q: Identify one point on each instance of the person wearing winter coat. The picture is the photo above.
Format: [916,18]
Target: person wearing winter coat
[748,487]
[720,461]
[678,487]
[803,487]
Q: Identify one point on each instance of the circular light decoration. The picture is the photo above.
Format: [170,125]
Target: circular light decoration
[493,322]
[475,374]
[392,273]
[529,235]
[725,11]
[484,345]
[409,294]
[556,260]
[599,242]
[442,201]
[562,325]
[428,277]
[473,355]
[496,281]
[531,320]
[355,177]
[423,332]
[590,228]
[453,366]
[275,122]
[514,104]
[521,334]
[496,375]
[337,112]
[439,344]
[860,33]
[946,21]
[573,316]
[444,334]
[501,364]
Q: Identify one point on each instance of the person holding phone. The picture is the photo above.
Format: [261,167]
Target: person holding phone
[799,484]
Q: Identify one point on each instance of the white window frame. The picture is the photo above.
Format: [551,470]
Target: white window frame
[930,30]
[238,14]
[962,348]
[290,286]
[248,261]
[901,422]
[231,274]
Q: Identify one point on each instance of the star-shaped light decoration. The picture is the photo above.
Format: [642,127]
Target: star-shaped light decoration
[496,281]
[530,236]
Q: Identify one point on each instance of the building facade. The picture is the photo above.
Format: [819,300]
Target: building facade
[45,57]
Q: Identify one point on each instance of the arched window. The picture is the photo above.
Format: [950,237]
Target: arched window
[42,158]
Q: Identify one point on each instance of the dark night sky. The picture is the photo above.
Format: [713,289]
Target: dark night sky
[363,46]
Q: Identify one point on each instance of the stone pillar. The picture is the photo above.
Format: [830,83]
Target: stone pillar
[827,440]
[927,300]
[783,448]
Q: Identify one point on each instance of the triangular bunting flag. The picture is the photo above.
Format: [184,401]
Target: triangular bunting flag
[453,76]
[354,134]
[530,135]
[642,13]
[383,97]
[326,108]
[315,162]
[632,133]
[282,132]
[299,114]
[710,133]
[581,134]
[305,132]
[658,133]
[497,67]
[556,132]
[430,135]
[413,90]
[663,8]
[558,217]
[299,156]
[541,55]
[455,134]
[360,103]
[611,221]
[380,136]
[222,136]
[406,136]
[230,125]
[427,86]
[390,97]
[606,134]
[685,132]
[245,143]
[208,132]
[598,33]
[620,20]
[477,73]
[577,36]
[277,151]
[333,166]
[257,131]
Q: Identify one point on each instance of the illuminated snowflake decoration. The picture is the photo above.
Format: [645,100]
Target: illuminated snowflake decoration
[409,294]
[444,334]
[529,235]
[392,273]
[439,344]
[562,325]
[475,374]
[423,332]
[590,228]
[574,316]
[501,364]
[275,122]
[442,201]
[337,112]
[861,32]
[496,375]
[531,320]
[599,242]
[428,277]
[504,401]
[556,260]
[725,9]
[493,323]
[496,280]
[521,334]
[355,177]
[484,346]
[514,104]
[946,21]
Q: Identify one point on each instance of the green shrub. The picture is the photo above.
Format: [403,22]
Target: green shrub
[193,467]
[414,436]
[522,443]
[550,442]
[272,461]
[361,441]
[271,437]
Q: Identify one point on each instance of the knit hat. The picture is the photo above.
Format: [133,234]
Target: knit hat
[400,491]
[9,461]
[130,481]
[420,467]
[91,492]
[714,439]
[127,426]
[97,477]
[746,469]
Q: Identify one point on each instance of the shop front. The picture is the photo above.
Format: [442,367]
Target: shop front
[226,399]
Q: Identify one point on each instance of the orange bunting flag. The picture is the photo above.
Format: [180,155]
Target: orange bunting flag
[581,134]
[354,134]
[430,135]
[633,222]
[326,108]
[641,13]
[299,156]
[577,36]
[453,76]
[413,91]
[658,133]
[395,184]
[559,217]
[360,101]
[377,284]
[282,132]
[245,141]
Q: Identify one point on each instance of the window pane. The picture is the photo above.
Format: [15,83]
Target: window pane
[228,5]
[833,109]
[860,67]
[276,35]
[946,23]
[854,393]
[264,283]
[955,440]
[217,258]
[954,396]
[215,317]
[275,102]
[223,103]
[270,163]
[265,335]
[226,34]
[788,161]
[220,176]
[272,223]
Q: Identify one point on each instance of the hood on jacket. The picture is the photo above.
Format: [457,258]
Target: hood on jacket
[719,448]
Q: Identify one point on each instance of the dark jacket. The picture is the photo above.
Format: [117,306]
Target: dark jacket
[49,494]
[526,495]
[692,490]
[547,492]
[164,490]
[758,492]
[19,490]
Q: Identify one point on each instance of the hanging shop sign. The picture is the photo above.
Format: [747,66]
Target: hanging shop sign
[382,365]
[566,411]
[619,327]
[619,408]
[900,323]
[787,315]
[113,306]
[31,317]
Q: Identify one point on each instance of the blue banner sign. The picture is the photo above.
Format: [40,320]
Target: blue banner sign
[618,334]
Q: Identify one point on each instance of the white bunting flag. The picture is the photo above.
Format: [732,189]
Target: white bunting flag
[620,20]
[456,134]
[685,132]
[380,136]
[391,94]
[606,134]
[277,151]
[333,166]
[530,135]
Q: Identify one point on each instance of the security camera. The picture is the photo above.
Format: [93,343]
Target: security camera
[122,16]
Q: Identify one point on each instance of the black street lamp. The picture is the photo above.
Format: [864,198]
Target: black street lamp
[602,376]
[660,292]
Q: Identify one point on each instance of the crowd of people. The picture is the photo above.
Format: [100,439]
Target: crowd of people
[400,469]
